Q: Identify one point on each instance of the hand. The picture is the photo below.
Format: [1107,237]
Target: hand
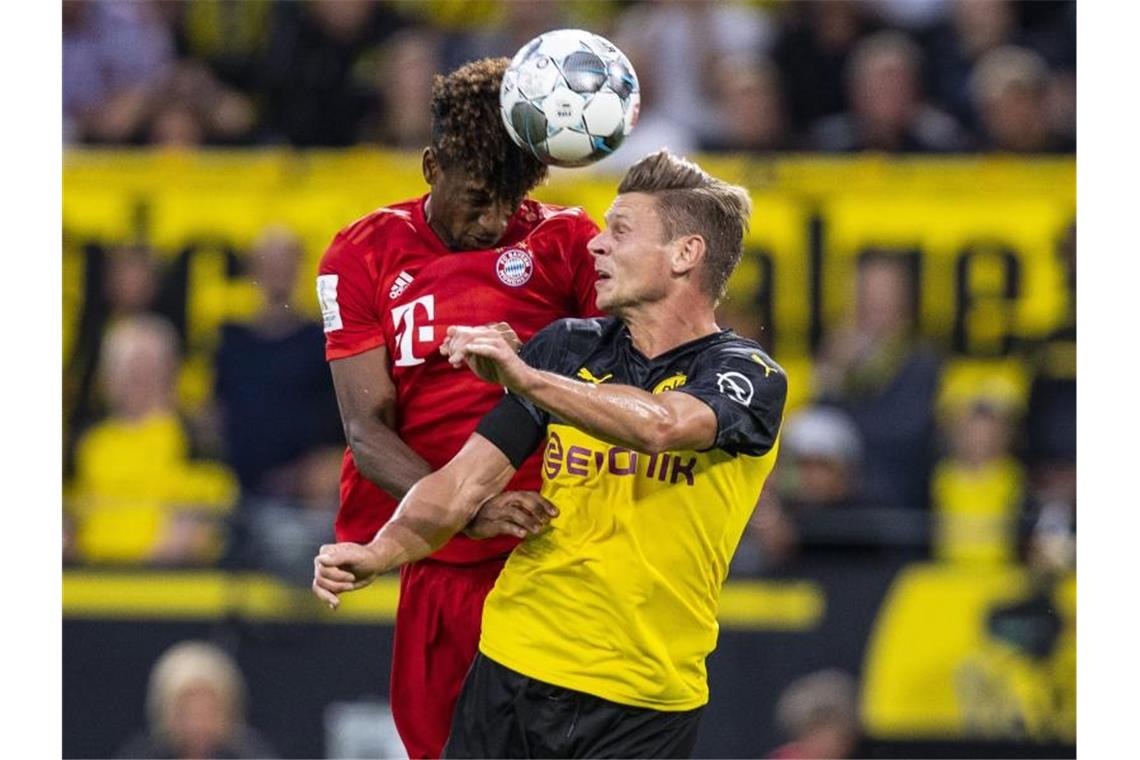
[488,351]
[508,334]
[342,567]
[514,513]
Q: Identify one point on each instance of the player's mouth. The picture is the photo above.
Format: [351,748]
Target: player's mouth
[602,277]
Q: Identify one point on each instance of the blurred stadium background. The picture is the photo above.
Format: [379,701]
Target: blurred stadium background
[907,587]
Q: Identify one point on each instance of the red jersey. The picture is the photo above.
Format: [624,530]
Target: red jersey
[387,280]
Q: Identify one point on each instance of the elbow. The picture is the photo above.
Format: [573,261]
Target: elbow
[659,435]
[361,430]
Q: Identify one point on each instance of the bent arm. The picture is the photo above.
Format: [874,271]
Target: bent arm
[441,504]
[366,396]
[622,414]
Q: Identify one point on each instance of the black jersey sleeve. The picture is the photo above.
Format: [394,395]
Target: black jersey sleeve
[515,425]
[746,390]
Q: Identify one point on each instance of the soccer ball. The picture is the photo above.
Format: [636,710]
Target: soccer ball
[569,97]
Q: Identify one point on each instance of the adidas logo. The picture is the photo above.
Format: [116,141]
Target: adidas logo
[403,279]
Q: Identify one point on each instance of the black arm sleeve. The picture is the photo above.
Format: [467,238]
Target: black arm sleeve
[512,427]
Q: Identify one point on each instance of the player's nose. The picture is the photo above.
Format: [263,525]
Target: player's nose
[598,244]
[494,220]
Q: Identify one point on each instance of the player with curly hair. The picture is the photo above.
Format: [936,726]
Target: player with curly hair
[474,249]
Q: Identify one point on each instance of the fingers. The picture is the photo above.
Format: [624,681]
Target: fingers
[459,338]
[522,509]
[488,348]
[330,577]
[329,598]
[320,586]
[508,334]
[536,504]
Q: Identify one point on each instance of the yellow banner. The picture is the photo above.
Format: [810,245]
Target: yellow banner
[985,232]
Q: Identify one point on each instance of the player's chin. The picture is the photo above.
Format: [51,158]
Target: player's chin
[603,300]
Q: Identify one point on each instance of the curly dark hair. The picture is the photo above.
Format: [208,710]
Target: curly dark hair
[467,131]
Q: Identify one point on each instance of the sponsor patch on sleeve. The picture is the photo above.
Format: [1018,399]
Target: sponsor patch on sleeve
[326,295]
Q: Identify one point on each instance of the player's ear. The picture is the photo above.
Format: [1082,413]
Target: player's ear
[688,251]
[430,166]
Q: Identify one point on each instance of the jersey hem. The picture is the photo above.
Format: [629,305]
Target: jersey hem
[332,354]
[588,687]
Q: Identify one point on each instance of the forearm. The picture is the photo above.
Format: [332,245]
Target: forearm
[619,414]
[441,504]
[384,459]
[426,519]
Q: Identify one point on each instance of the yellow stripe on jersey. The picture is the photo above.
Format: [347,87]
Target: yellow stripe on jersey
[618,596]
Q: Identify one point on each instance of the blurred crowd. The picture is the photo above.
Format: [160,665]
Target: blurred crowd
[908,76]
[886,456]
[880,456]
[892,454]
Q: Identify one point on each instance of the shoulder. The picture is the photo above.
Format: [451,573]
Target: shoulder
[735,346]
[734,354]
[373,233]
[561,219]
[576,330]
[567,339]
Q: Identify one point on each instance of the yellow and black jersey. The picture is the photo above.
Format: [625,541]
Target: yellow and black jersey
[618,596]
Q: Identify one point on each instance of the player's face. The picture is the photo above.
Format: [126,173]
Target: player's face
[462,211]
[631,255]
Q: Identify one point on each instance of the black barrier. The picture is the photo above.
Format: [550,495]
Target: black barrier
[296,667]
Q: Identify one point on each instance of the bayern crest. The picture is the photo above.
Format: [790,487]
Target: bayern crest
[514,267]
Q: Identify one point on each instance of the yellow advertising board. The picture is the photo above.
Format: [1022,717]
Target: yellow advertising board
[984,232]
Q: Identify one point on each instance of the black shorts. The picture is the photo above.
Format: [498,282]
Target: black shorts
[502,713]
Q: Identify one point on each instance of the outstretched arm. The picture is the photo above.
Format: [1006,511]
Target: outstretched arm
[620,414]
[434,509]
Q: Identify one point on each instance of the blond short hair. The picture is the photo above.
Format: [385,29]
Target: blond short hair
[184,666]
[690,201]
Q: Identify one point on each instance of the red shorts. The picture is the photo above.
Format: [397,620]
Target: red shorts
[437,635]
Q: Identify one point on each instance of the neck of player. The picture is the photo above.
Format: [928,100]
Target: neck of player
[660,327]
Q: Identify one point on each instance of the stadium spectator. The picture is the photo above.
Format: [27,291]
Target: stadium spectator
[191,108]
[874,368]
[114,52]
[1010,88]
[1051,428]
[120,283]
[816,487]
[270,364]
[679,42]
[915,16]
[138,496]
[750,107]
[820,712]
[887,109]
[821,452]
[195,705]
[972,29]
[978,488]
[812,49]
[402,76]
[232,39]
[655,129]
[277,534]
[503,30]
[313,95]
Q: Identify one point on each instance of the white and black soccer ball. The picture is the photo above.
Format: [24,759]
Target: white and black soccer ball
[569,97]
